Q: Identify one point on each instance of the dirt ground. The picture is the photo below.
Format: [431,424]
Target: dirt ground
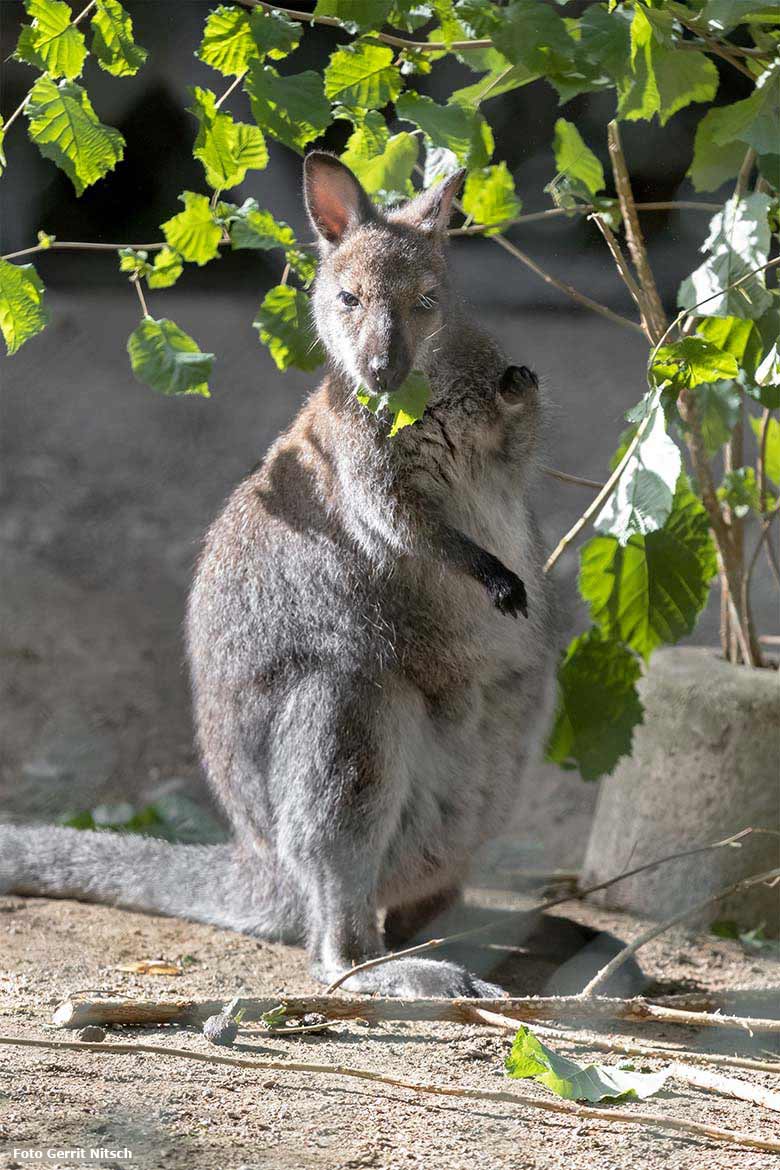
[181,1115]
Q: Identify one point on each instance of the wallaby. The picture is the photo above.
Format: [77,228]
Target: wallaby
[365,702]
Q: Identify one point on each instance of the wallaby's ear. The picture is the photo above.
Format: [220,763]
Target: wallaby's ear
[430,210]
[335,201]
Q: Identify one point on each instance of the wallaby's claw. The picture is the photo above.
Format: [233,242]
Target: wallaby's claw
[508,593]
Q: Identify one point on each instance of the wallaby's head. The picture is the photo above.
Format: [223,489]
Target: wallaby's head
[382,289]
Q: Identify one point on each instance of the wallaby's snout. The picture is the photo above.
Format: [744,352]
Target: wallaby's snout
[380,299]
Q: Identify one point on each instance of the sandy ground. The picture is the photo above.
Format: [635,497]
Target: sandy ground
[180,1115]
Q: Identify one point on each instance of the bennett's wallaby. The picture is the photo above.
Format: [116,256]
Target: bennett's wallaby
[364,701]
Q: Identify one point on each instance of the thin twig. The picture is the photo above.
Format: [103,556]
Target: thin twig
[726,1086]
[476,229]
[544,904]
[565,477]
[695,1129]
[620,260]
[135,280]
[617,961]
[233,85]
[651,308]
[81,246]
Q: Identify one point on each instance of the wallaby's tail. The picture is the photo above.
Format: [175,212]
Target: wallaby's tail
[218,884]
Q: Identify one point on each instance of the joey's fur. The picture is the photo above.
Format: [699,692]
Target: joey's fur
[366,696]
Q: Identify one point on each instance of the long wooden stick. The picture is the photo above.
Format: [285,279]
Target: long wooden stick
[695,1129]
[77,1013]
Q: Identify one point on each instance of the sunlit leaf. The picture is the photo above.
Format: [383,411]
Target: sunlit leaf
[112,42]
[51,42]
[721,16]
[194,233]
[752,122]
[533,35]
[405,405]
[22,311]
[166,270]
[651,590]
[362,75]
[65,128]
[772,453]
[642,500]
[739,490]
[292,109]
[233,37]
[575,159]
[662,80]
[738,242]
[227,149]
[577,1082]
[164,357]
[285,326]
[464,132]
[489,196]
[255,228]
[598,706]
[691,361]
[385,174]
[357,16]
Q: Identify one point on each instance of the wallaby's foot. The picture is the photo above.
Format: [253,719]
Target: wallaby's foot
[506,590]
[415,978]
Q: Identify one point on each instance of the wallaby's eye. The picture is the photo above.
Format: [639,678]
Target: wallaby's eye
[427,300]
[348,299]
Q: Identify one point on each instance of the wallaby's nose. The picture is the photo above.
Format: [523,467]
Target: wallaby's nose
[379,366]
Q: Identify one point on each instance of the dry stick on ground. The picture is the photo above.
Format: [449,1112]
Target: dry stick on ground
[613,1045]
[538,907]
[695,1129]
[617,961]
[565,1008]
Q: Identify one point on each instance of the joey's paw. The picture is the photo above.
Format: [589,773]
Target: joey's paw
[507,592]
[516,383]
[423,979]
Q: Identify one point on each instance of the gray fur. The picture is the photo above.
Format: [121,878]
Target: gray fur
[364,697]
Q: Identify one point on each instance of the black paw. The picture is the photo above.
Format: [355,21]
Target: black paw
[516,382]
[507,592]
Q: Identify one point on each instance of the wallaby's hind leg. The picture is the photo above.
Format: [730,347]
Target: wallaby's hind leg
[336,812]
[403,924]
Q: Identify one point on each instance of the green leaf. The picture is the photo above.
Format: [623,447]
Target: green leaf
[737,243]
[232,38]
[406,404]
[464,132]
[605,38]
[194,233]
[65,128]
[533,35]
[662,80]
[577,1082]
[734,335]
[688,363]
[753,121]
[769,169]
[713,165]
[576,160]
[51,43]
[167,269]
[651,590]
[257,229]
[644,495]
[363,75]
[598,706]
[386,175]
[772,454]
[164,357]
[718,407]
[134,261]
[2,146]
[767,377]
[502,79]
[285,326]
[292,109]
[226,148]
[739,490]
[489,196]
[721,16]
[22,311]
[112,40]
[357,16]
[227,43]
